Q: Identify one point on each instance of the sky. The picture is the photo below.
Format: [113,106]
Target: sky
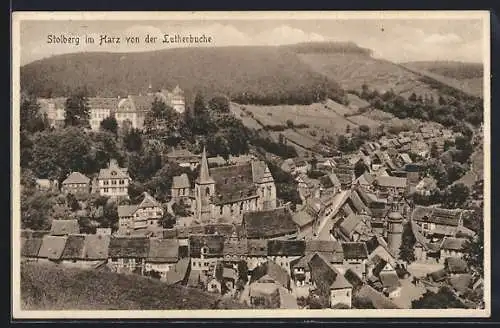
[398,40]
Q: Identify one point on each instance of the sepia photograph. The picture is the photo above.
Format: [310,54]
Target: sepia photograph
[250,164]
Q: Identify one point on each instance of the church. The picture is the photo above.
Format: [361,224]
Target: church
[225,193]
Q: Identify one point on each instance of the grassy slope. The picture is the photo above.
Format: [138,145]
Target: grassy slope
[352,70]
[50,287]
[227,70]
[467,77]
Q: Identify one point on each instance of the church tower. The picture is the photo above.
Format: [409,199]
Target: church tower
[204,190]
[394,232]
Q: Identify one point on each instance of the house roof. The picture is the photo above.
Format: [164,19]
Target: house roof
[302,218]
[96,247]
[76,178]
[323,274]
[353,278]
[74,248]
[257,247]
[270,271]
[128,247]
[378,300]
[437,215]
[163,250]
[235,248]
[180,181]
[406,158]
[323,246]
[354,250]
[391,182]
[456,265]
[64,227]
[350,223]
[113,171]
[358,203]
[178,272]
[365,179]
[215,244]
[233,182]
[148,201]
[103,103]
[389,279]
[278,247]
[30,247]
[223,229]
[52,247]
[126,210]
[330,180]
[455,244]
[269,223]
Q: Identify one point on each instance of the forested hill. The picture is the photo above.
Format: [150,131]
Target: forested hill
[256,74]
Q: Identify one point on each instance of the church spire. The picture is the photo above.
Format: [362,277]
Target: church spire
[204,177]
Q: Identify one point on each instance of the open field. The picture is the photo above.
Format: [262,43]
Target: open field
[51,287]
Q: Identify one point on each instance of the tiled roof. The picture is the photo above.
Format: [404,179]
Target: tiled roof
[455,244]
[257,247]
[354,250]
[223,229]
[325,276]
[235,248]
[178,272]
[350,223]
[113,171]
[323,246]
[103,103]
[271,270]
[215,244]
[126,210]
[180,181]
[233,182]
[96,247]
[64,227]
[355,281]
[437,215]
[378,300]
[148,201]
[30,247]
[142,103]
[76,178]
[128,247]
[269,223]
[389,279]
[52,247]
[277,247]
[330,180]
[163,250]
[74,248]
[391,182]
[302,218]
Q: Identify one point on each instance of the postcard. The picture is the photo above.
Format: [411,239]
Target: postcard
[251,164]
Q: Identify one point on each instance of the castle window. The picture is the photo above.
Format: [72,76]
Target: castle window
[207,191]
[225,180]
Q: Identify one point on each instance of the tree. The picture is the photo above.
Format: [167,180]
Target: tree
[219,104]
[72,202]
[133,140]
[110,217]
[443,299]
[359,168]
[77,110]
[474,248]
[31,119]
[110,124]
[456,196]
[406,252]
[35,210]
[167,221]
[434,150]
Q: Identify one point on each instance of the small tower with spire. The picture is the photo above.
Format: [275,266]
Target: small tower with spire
[150,89]
[204,190]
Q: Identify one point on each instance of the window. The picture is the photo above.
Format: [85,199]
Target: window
[106,189]
[122,182]
[106,182]
[113,182]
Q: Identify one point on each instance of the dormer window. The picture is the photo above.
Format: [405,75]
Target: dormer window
[113,173]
